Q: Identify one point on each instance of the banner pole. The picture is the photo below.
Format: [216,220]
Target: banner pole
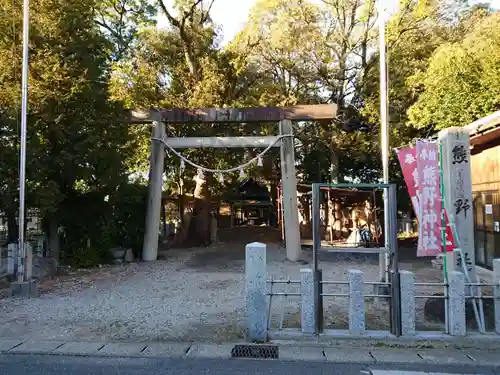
[443,236]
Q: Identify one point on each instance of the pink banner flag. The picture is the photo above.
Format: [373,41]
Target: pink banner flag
[413,173]
[430,206]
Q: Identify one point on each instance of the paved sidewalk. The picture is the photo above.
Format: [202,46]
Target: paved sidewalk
[295,352]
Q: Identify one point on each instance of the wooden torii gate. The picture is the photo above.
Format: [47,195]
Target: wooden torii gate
[284,115]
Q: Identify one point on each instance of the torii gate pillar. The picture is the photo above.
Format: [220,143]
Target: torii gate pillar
[289,186]
[155,190]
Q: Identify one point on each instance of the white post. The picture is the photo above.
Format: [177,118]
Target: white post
[289,183]
[153,213]
[384,135]
[24,126]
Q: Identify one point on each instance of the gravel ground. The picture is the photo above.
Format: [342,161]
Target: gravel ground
[191,294]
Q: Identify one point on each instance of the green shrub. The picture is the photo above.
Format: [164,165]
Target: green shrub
[93,225]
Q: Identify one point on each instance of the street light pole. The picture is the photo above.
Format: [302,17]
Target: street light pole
[384,132]
[22,158]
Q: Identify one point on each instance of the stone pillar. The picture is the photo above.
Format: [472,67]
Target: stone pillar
[256,292]
[26,286]
[40,247]
[407,285]
[356,303]
[457,182]
[289,184]
[456,303]
[453,261]
[496,293]
[153,213]
[309,301]
[12,258]
[28,265]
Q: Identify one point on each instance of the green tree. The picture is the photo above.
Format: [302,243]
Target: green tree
[414,33]
[121,21]
[77,141]
[460,82]
[183,67]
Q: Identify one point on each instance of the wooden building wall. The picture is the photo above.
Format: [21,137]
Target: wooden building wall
[486,190]
[486,170]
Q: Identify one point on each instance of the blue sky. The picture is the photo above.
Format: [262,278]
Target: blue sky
[232,14]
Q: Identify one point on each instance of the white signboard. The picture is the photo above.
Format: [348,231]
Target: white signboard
[488,209]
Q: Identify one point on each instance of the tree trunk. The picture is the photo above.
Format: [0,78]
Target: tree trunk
[12,227]
[199,233]
[274,199]
[333,216]
[184,217]
[164,219]
[338,218]
[307,210]
[53,240]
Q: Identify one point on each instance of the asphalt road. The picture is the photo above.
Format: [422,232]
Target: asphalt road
[64,365]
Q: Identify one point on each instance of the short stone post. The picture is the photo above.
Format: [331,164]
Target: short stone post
[12,258]
[309,301]
[456,303]
[496,294]
[407,287]
[256,292]
[356,303]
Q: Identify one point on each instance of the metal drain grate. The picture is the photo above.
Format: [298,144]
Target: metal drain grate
[255,351]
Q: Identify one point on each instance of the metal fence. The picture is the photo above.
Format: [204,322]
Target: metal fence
[277,307]
[283,304]
[302,316]
[337,309]
[388,284]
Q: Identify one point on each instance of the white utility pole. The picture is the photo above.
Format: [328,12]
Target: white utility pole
[24,120]
[384,130]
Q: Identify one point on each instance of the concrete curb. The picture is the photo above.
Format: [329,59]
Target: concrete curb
[377,338]
[297,352]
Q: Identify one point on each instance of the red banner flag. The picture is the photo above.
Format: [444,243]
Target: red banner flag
[421,173]
[408,159]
